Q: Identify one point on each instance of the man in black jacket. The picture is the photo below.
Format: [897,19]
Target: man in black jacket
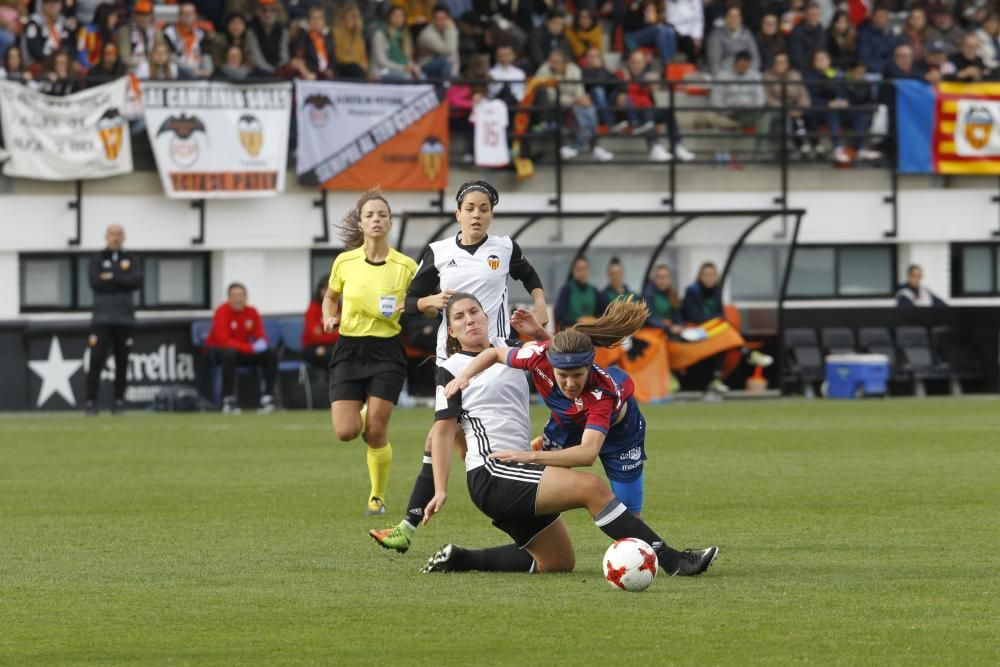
[114,275]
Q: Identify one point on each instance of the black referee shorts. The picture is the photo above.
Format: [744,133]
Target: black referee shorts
[369,366]
[506,493]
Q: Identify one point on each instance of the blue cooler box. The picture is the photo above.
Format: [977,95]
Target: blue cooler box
[852,375]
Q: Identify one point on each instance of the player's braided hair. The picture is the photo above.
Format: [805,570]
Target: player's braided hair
[620,319]
[452,345]
[350,227]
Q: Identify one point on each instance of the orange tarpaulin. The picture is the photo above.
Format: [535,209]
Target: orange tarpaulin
[721,338]
[644,358]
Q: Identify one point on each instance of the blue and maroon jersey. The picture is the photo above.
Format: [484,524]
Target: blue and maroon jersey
[598,407]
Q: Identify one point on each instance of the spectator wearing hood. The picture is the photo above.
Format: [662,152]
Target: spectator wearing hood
[726,41]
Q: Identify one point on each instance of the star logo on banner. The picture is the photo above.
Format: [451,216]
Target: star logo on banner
[55,373]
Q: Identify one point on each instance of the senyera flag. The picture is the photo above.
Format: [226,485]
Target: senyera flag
[950,128]
[80,136]
[352,136]
[219,140]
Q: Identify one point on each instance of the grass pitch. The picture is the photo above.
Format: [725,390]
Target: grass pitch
[850,533]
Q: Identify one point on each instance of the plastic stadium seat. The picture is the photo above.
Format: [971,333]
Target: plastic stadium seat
[678,72]
[917,355]
[291,360]
[837,340]
[878,340]
[199,332]
[803,357]
[952,348]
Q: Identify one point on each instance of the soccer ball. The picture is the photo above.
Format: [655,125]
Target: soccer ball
[630,565]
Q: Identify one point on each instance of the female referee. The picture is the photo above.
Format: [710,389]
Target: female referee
[475,262]
[368,366]
[524,500]
[594,414]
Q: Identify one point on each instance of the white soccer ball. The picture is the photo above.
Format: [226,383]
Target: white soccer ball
[630,565]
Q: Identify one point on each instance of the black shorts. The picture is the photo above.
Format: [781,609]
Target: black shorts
[367,366]
[507,495]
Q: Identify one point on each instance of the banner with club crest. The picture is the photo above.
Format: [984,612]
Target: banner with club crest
[218,140]
[68,138]
[948,128]
[353,136]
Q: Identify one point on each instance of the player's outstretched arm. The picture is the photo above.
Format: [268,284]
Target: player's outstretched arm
[482,361]
[442,436]
[581,456]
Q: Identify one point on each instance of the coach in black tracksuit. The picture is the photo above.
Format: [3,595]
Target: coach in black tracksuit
[114,275]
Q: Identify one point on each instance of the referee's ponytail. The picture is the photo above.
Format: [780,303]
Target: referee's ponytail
[350,227]
[621,318]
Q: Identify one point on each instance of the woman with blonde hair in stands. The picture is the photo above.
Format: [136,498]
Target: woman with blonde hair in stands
[368,366]
[350,49]
[523,491]
[159,66]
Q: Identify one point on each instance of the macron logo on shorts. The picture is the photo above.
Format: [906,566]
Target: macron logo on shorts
[440,402]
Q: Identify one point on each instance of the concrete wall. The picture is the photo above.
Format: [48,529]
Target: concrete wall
[266,243]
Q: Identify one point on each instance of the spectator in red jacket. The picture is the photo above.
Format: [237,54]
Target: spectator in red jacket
[317,345]
[238,336]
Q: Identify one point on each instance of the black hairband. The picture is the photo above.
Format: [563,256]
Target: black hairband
[479,186]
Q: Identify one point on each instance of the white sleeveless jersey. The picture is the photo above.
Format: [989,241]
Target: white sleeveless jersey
[492,410]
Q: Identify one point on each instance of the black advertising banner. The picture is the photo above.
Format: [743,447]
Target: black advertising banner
[57,359]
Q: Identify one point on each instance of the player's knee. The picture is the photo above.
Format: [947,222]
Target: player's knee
[562,563]
[345,430]
[376,433]
[344,434]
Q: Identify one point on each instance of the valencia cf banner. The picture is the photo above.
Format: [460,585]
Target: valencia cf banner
[353,136]
[218,140]
[950,128]
[68,138]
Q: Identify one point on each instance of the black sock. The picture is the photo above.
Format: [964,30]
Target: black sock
[423,491]
[508,558]
[618,523]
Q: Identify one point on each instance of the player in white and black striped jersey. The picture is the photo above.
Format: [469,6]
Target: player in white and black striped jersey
[523,499]
[479,263]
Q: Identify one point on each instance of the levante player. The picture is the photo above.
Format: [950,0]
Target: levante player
[489,401]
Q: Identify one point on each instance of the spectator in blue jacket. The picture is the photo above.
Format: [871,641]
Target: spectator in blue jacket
[703,298]
[876,41]
[702,302]
[807,38]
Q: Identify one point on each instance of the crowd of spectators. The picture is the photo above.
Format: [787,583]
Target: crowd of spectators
[812,57]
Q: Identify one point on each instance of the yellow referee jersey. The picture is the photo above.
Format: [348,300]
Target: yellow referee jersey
[373,292]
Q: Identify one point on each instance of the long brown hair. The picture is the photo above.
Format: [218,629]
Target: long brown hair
[350,227]
[452,345]
[672,296]
[620,319]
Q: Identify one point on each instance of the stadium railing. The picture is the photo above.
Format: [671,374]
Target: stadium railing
[687,99]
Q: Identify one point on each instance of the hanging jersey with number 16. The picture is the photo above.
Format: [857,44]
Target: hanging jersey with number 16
[491,119]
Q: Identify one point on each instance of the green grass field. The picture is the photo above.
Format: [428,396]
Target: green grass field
[850,533]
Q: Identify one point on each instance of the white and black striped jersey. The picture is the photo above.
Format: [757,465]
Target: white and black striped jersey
[480,269]
[492,410]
